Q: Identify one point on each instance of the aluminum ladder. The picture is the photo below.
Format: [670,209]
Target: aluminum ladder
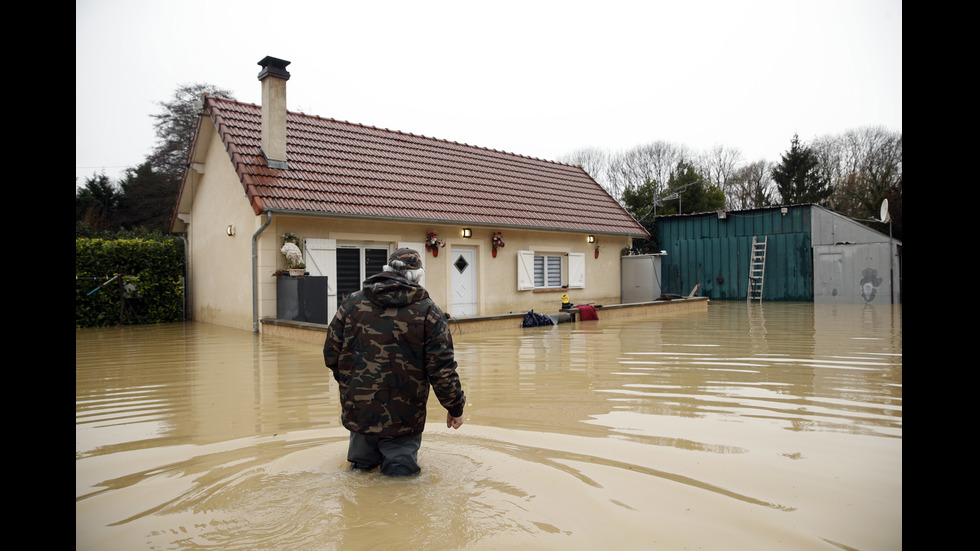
[757,268]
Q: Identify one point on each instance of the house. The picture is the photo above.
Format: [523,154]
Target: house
[354,193]
[810,254]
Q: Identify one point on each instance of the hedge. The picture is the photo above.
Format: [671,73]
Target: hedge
[128,281]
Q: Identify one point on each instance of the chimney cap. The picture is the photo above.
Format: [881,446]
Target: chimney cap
[273,66]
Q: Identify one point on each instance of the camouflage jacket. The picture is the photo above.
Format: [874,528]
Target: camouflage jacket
[387,344]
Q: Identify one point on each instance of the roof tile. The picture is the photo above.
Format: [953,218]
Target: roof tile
[342,168]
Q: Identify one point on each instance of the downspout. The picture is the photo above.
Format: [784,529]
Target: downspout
[187,271]
[255,271]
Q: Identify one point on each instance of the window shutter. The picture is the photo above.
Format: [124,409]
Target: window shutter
[576,270]
[321,260]
[525,270]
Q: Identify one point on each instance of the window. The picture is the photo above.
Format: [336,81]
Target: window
[349,264]
[547,270]
[550,270]
[355,264]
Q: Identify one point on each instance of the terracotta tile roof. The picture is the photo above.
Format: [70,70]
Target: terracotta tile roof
[341,168]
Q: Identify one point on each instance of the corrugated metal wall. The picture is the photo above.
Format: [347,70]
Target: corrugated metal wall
[715,252]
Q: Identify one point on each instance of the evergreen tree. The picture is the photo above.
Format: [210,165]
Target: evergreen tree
[96,203]
[144,199]
[693,192]
[641,201]
[148,198]
[797,177]
[687,191]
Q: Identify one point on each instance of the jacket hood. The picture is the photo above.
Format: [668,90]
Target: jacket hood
[392,289]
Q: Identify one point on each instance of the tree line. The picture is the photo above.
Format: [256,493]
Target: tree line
[850,173]
[143,199]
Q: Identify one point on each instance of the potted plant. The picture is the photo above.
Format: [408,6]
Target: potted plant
[293,255]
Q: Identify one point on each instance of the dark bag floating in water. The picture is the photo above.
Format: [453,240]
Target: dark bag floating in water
[536,320]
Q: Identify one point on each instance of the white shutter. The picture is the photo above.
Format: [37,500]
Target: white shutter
[525,270]
[419,248]
[576,270]
[321,260]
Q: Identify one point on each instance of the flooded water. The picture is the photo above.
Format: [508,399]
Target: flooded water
[772,426]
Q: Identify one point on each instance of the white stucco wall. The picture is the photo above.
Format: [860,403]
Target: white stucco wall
[496,277]
[219,265]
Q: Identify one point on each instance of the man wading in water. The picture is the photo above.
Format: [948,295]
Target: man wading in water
[387,344]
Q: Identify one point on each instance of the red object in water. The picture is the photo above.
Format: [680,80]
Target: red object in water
[586,312]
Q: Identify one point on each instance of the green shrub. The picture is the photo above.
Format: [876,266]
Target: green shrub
[128,281]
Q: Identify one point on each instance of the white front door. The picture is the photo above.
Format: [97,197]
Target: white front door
[464,295]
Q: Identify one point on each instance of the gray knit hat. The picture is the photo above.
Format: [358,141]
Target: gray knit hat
[405,259]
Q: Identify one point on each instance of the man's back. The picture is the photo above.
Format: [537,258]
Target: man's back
[387,344]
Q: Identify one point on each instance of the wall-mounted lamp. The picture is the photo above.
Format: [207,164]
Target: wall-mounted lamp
[591,239]
[722,214]
[784,210]
[230,230]
[467,233]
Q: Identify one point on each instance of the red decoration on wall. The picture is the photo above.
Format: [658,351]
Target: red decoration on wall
[496,241]
[432,242]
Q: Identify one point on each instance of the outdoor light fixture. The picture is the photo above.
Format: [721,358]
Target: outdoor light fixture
[591,239]
[467,232]
[230,230]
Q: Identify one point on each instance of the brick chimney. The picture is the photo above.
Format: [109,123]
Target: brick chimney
[273,77]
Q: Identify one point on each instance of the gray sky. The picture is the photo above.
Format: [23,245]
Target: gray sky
[537,78]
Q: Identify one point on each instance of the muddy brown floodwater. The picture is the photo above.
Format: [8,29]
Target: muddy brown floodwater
[762,426]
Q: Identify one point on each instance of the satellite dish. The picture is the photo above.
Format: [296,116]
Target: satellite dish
[884,211]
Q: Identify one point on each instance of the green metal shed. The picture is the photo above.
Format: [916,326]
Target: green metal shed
[715,250]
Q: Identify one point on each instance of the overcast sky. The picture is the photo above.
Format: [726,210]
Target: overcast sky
[537,78]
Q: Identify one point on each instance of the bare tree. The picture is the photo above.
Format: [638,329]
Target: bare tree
[864,166]
[655,163]
[720,165]
[175,124]
[751,186]
[595,163]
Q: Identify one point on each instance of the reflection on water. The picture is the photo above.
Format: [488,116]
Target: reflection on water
[762,426]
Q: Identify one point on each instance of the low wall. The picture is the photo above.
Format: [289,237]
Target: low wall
[314,333]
